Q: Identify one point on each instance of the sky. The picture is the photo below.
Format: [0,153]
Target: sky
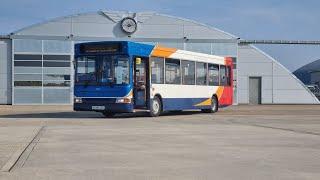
[247,19]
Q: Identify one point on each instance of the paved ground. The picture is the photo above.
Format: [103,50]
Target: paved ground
[240,142]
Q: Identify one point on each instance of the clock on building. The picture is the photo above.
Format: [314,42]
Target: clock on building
[129,25]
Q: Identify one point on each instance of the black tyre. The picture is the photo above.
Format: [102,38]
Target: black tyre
[108,114]
[156,107]
[214,106]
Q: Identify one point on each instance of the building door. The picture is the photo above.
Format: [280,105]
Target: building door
[254,90]
[141,85]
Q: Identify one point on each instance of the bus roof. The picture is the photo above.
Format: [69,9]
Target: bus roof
[167,52]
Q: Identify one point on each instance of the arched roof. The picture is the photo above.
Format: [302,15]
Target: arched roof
[104,24]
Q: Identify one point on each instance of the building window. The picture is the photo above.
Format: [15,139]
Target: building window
[27,83]
[173,71]
[157,68]
[213,73]
[201,73]
[188,72]
[42,71]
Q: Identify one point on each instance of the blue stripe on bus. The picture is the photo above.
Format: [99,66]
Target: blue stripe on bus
[182,103]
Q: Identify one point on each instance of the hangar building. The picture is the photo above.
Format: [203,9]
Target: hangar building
[36,61]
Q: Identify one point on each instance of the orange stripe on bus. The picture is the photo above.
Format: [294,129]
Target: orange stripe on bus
[160,51]
[207,102]
[219,91]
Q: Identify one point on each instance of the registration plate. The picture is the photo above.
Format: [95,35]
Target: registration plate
[98,108]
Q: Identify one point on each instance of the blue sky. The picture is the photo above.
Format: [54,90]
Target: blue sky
[247,19]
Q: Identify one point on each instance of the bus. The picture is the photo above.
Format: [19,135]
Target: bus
[121,76]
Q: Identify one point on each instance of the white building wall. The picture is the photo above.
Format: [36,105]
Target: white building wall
[279,86]
[5,71]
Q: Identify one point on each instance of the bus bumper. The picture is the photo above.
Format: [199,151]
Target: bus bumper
[106,107]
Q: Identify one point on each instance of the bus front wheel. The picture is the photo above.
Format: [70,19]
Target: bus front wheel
[214,106]
[156,107]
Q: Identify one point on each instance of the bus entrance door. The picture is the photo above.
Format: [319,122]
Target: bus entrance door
[141,85]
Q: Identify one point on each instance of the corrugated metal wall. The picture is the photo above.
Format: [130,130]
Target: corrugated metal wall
[279,86]
[5,71]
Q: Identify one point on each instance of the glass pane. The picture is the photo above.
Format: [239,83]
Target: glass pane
[213,71]
[27,45]
[56,70]
[56,77]
[28,63]
[56,57]
[28,77]
[188,72]
[27,83]
[173,71]
[56,96]
[27,95]
[55,64]
[54,46]
[56,83]
[86,68]
[102,70]
[157,70]
[27,70]
[27,57]
[223,78]
[201,73]
[121,69]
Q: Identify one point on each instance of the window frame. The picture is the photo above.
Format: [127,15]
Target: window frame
[206,75]
[218,83]
[194,70]
[165,70]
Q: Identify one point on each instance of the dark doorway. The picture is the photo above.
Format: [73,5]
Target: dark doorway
[141,82]
[254,90]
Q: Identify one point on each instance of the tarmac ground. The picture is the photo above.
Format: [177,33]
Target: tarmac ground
[238,142]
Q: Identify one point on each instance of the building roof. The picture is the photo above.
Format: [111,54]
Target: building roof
[4,37]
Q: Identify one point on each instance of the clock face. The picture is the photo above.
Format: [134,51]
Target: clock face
[129,25]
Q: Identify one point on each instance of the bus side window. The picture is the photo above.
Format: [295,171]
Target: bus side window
[213,73]
[157,67]
[228,74]
[188,72]
[223,77]
[173,75]
[201,73]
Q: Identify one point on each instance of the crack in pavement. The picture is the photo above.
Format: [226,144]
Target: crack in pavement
[276,128]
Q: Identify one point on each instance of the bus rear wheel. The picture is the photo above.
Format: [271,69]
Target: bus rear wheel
[156,107]
[214,106]
[108,114]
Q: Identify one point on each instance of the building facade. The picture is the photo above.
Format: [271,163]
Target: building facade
[37,68]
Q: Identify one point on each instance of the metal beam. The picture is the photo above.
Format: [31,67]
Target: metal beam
[297,42]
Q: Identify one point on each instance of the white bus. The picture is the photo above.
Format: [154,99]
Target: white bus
[119,77]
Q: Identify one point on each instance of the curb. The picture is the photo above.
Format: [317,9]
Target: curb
[17,154]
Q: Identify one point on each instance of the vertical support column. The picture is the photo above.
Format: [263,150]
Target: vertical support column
[12,73]
[72,70]
[42,90]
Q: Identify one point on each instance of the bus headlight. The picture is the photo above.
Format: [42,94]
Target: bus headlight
[77,100]
[123,100]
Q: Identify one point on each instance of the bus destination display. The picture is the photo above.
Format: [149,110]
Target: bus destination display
[100,48]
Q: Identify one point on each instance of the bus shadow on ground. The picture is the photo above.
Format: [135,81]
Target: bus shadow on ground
[84,115]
